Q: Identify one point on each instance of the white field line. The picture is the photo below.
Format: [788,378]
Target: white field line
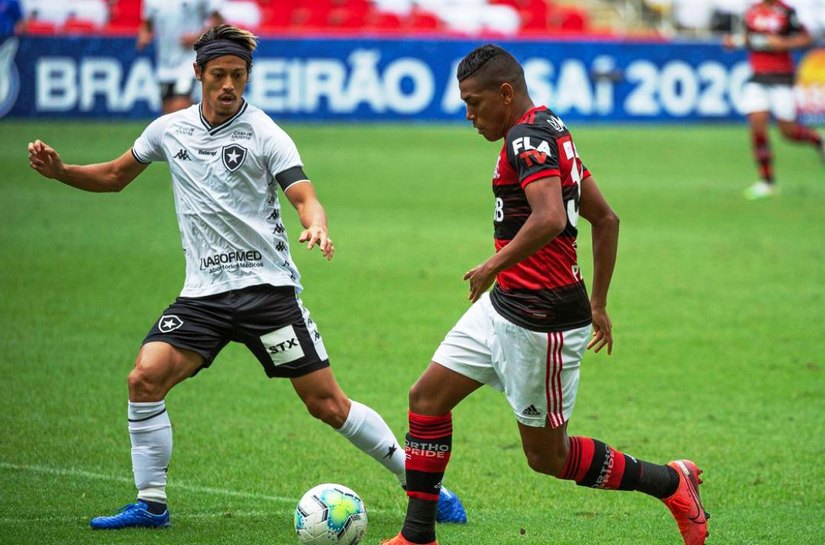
[178,485]
[175,484]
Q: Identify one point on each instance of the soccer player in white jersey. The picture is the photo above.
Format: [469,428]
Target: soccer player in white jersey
[175,25]
[227,159]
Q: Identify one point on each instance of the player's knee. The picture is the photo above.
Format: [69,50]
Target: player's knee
[541,462]
[547,461]
[421,401]
[787,132]
[328,409]
[143,386]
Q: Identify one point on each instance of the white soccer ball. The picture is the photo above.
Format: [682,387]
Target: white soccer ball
[330,514]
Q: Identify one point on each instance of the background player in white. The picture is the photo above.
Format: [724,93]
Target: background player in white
[227,159]
[175,26]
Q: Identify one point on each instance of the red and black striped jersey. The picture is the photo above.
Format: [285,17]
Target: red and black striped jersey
[545,291]
[763,20]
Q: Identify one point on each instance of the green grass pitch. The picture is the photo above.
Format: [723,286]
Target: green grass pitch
[717,306]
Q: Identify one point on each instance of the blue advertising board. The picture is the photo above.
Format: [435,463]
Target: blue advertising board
[361,79]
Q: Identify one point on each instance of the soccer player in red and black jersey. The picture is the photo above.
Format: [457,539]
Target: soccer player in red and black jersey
[772,31]
[527,337]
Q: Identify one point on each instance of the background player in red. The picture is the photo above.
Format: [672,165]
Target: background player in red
[772,31]
[527,337]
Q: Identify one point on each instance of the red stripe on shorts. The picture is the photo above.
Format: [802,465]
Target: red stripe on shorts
[555,405]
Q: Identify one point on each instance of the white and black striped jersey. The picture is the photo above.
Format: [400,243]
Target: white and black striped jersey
[225,180]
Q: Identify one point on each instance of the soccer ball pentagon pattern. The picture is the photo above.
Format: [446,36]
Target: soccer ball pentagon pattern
[330,514]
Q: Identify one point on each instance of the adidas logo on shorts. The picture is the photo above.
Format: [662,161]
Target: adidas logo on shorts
[531,411]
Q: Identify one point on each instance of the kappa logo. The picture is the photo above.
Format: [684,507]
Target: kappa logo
[233,156]
[9,77]
[183,155]
[169,322]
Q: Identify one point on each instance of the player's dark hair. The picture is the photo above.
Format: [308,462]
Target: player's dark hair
[492,65]
[225,40]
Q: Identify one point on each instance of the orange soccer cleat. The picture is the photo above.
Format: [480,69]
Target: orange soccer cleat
[686,505]
[401,540]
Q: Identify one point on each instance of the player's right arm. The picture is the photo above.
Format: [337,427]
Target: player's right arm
[144,35]
[146,30]
[111,176]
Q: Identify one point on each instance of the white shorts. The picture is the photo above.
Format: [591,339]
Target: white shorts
[538,372]
[762,97]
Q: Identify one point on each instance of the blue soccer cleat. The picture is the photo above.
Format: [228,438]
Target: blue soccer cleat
[133,515]
[450,509]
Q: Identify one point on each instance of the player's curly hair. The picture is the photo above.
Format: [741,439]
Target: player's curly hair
[492,65]
[240,37]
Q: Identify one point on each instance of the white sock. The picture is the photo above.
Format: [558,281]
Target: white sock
[151,434]
[367,430]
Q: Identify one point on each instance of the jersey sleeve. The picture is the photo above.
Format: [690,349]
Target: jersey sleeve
[533,153]
[795,26]
[282,155]
[148,147]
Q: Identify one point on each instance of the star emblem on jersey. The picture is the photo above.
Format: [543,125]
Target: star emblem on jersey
[233,156]
[169,322]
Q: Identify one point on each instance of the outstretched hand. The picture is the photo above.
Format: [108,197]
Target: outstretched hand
[44,159]
[602,332]
[318,236]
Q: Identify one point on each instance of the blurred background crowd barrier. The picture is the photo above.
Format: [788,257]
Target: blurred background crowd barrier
[594,60]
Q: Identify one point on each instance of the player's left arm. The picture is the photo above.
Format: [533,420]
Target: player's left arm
[797,36]
[798,40]
[605,233]
[312,215]
[547,219]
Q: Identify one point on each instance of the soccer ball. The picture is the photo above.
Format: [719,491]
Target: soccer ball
[330,514]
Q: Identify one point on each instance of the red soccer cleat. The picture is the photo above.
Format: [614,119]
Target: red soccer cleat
[401,540]
[685,504]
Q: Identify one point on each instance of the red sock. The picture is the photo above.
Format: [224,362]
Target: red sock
[594,464]
[428,452]
[763,155]
[801,133]
[428,447]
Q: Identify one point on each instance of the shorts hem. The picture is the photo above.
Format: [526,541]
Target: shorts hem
[543,422]
[207,358]
[465,371]
[286,372]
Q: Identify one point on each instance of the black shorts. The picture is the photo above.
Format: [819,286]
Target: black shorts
[180,88]
[269,320]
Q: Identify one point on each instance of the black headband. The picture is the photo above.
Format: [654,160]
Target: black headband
[219,48]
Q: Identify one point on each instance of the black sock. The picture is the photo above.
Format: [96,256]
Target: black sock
[418,525]
[155,508]
[660,481]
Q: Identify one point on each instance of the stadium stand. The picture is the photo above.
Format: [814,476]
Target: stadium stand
[271,17]
[495,18]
